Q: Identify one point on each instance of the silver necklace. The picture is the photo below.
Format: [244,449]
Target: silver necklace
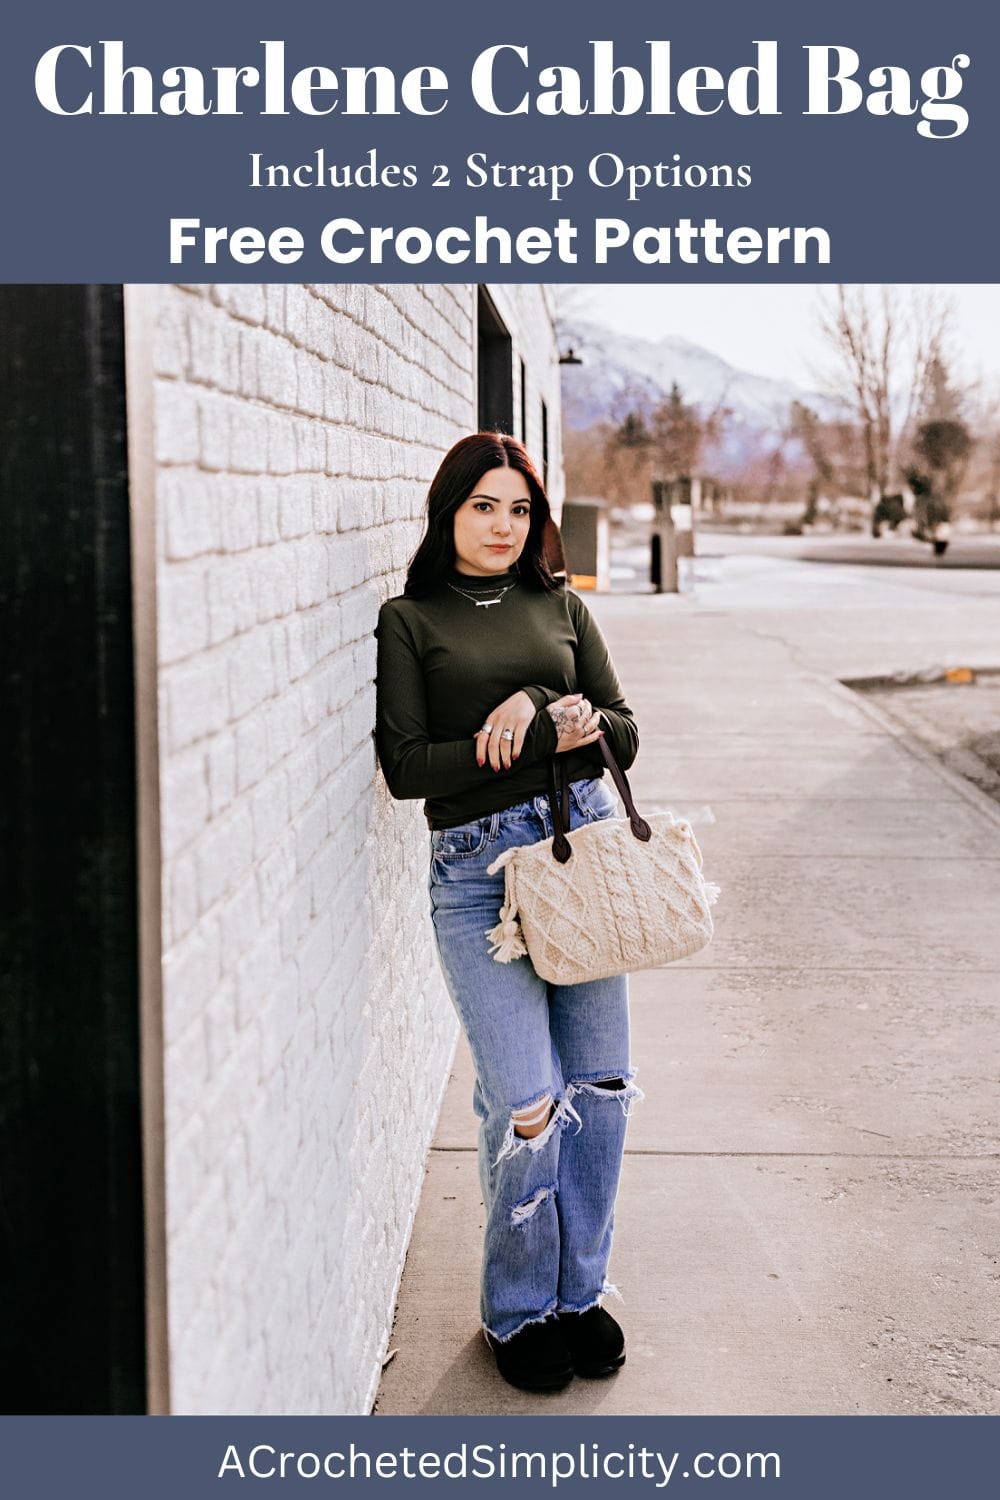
[484,603]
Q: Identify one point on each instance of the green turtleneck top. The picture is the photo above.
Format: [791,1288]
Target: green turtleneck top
[445,662]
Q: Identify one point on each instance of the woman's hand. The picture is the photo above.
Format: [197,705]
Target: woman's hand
[577,724]
[501,749]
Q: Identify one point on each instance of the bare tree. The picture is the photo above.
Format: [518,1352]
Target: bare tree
[993,493]
[627,456]
[987,457]
[806,425]
[931,321]
[583,458]
[572,304]
[861,331]
[887,352]
[649,440]
[677,432]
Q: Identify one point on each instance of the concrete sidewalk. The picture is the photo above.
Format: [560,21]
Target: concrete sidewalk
[808,1218]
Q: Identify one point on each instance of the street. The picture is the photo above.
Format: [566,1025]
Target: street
[959,722]
[807,1221]
[892,551]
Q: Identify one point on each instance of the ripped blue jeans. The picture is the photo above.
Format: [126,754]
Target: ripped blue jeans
[537,1048]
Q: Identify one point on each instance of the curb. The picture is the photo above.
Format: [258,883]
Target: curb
[847,690]
[929,677]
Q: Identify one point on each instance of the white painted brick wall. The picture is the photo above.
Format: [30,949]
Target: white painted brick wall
[307,1035]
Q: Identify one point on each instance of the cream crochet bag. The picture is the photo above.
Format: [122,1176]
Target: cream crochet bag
[610,897]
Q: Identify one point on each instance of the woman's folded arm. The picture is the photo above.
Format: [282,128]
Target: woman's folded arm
[413,764]
[598,681]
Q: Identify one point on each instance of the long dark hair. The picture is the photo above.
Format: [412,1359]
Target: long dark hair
[462,467]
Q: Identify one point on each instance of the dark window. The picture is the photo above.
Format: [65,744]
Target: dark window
[545,445]
[524,403]
[496,370]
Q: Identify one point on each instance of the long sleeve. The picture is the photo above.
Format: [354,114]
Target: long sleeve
[598,681]
[541,697]
[413,764]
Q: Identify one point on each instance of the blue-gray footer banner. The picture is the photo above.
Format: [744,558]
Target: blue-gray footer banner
[797,1458]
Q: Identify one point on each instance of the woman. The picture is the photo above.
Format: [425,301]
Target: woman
[487,667]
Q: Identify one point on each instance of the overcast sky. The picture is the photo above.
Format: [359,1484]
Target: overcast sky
[770,330]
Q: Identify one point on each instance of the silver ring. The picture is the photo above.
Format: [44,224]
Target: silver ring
[507,734]
[486,729]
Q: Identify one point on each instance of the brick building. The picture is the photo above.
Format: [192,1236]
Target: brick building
[295,1037]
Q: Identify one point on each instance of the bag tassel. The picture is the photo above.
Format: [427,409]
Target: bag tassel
[505,939]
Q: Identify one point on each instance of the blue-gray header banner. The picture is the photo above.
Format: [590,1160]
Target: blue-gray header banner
[642,142]
[796,1458]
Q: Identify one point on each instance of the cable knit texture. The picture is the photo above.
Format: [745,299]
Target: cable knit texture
[618,904]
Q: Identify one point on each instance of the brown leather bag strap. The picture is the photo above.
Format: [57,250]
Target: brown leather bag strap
[638,823]
[559,802]
[559,805]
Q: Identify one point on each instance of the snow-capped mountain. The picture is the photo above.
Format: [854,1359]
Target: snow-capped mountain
[618,366]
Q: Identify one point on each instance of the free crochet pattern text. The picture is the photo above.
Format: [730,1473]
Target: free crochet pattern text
[345,242]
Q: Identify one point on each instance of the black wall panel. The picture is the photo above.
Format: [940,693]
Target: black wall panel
[70,1165]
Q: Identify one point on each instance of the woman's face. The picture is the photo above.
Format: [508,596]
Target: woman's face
[491,526]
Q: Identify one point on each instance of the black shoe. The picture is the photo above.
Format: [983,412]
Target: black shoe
[536,1358]
[596,1342]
